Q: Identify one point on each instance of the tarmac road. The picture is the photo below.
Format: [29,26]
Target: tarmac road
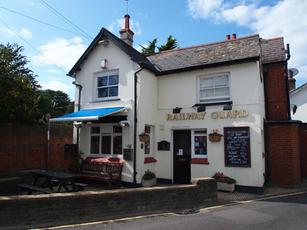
[280,212]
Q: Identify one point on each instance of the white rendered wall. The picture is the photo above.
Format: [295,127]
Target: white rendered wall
[116,59]
[246,91]
[299,99]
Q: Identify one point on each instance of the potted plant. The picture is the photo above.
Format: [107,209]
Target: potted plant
[224,183]
[149,179]
[215,136]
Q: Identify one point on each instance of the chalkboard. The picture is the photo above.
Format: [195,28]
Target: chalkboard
[237,146]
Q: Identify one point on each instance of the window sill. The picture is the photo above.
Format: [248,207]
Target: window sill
[148,160]
[214,103]
[106,100]
[201,161]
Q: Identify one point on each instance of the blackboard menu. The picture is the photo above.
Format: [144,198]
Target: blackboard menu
[237,146]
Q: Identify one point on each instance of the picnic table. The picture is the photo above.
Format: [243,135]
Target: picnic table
[50,179]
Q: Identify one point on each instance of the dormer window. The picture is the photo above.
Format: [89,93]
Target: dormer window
[214,88]
[107,84]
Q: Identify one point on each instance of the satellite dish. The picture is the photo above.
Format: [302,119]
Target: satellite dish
[292,72]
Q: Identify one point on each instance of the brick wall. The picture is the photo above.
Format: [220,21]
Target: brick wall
[276,92]
[25,147]
[304,150]
[65,208]
[283,149]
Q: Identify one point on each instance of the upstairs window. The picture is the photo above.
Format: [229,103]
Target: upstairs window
[214,89]
[107,85]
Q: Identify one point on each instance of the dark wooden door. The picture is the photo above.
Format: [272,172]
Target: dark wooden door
[182,156]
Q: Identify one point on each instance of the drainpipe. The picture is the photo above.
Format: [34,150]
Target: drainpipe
[79,107]
[135,123]
[287,83]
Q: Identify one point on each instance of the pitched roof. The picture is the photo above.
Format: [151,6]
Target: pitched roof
[129,50]
[272,50]
[207,54]
[298,89]
[195,57]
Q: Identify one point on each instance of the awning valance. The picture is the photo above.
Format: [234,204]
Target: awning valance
[88,114]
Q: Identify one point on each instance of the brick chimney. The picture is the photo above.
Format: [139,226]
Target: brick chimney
[125,33]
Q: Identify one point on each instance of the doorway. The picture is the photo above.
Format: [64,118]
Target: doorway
[182,156]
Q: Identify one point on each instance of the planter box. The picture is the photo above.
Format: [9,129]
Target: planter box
[225,187]
[149,183]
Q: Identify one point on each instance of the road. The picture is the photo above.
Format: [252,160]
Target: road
[283,212]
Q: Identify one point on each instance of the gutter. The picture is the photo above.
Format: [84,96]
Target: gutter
[286,78]
[135,122]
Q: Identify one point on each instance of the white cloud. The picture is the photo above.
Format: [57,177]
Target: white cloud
[60,52]
[285,18]
[25,33]
[117,25]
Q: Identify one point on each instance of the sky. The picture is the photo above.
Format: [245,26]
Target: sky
[55,33]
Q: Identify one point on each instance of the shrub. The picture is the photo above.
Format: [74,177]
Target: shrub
[148,175]
[220,177]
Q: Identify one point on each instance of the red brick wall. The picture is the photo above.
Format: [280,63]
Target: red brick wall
[276,92]
[283,149]
[25,147]
[304,150]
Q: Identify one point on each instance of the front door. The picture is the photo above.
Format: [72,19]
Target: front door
[182,156]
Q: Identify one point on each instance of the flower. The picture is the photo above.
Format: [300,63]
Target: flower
[220,177]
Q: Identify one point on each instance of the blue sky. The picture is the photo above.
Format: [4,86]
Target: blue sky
[52,52]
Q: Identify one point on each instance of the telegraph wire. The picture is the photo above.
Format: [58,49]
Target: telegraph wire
[65,19]
[37,20]
[28,43]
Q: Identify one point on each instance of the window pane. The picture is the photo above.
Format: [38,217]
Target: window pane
[102,92]
[200,145]
[221,92]
[206,82]
[94,144]
[117,129]
[147,129]
[106,144]
[147,147]
[221,81]
[117,145]
[206,93]
[102,81]
[95,130]
[113,80]
[113,91]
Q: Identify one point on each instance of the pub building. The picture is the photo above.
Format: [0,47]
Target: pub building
[184,113]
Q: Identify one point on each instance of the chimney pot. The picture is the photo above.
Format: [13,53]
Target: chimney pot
[234,36]
[125,33]
[227,37]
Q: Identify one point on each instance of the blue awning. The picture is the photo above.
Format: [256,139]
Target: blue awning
[88,114]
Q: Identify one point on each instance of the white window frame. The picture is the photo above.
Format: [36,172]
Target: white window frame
[105,74]
[205,134]
[213,99]
[100,134]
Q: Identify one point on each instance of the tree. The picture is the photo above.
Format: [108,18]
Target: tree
[55,103]
[170,44]
[18,85]
[151,48]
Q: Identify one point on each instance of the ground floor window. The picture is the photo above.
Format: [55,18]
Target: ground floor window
[199,143]
[149,148]
[106,141]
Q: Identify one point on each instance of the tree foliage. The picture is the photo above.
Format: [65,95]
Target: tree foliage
[170,44]
[21,100]
[152,47]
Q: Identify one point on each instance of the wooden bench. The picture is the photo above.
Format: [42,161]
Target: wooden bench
[30,189]
[108,170]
